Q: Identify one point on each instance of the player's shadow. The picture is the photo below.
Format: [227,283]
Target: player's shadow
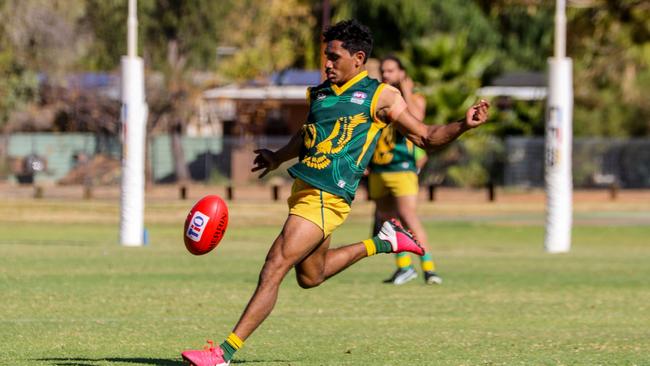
[66,361]
[77,361]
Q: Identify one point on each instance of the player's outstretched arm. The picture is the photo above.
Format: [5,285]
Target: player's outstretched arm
[392,108]
[269,160]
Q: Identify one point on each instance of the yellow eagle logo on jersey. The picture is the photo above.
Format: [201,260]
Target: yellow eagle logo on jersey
[333,144]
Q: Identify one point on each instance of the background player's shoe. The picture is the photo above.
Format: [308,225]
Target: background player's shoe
[402,276]
[431,278]
[401,240]
[210,356]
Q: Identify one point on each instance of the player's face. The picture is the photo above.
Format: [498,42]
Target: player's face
[341,66]
[391,73]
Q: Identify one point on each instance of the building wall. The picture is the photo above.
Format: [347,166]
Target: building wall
[58,151]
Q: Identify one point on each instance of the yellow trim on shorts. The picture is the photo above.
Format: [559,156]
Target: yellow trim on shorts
[325,210]
[396,184]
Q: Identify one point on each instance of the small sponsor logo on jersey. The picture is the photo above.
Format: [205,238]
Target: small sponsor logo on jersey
[320,96]
[358,97]
[405,165]
[341,183]
[197,226]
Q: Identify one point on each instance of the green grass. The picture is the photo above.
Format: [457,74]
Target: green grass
[69,295]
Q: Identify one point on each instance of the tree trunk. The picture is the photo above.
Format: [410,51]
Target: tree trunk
[4,158]
[180,166]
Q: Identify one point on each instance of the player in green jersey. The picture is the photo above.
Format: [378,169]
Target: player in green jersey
[346,115]
[393,180]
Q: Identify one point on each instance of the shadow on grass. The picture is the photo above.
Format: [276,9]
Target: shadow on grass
[72,361]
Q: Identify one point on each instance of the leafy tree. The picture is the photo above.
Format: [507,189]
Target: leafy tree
[396,24]
[449,75]
[35,36]
[524,30]
[18,85]
[107,25]
[180,36]
[43,35]
[610,45]
[269,36]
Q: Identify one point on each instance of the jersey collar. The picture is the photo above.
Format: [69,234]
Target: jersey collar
[349,83]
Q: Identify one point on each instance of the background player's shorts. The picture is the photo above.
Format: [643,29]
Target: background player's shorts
[396,184]
[326,210]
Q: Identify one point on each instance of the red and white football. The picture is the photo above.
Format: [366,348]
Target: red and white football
[205,225]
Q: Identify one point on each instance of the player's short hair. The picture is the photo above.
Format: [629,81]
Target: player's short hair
[395,59]
[354,35]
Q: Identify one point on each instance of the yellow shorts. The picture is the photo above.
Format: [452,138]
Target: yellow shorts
[396,184]
[326,210]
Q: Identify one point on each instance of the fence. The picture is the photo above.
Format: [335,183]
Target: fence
[516,161]
[596,162]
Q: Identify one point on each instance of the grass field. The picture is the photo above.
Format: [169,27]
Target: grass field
[69,295]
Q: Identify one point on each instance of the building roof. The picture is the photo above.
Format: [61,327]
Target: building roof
[296,77]
[289,84]
[276,92]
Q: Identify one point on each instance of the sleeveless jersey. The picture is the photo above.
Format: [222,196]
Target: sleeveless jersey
[394,153]
[340,135]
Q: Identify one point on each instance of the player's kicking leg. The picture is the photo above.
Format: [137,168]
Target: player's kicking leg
[301,244]
[324,262]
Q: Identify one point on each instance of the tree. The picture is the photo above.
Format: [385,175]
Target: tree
[270,36]
[176,38]
[44,35]
[450,74]
[36,36]
[180,36]
[610,45]
[396,24]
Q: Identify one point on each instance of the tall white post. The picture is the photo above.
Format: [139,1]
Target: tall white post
[134,117]
[559,138]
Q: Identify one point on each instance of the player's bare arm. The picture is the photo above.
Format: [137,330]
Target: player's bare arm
[391,107]
[415,102]
[269,160]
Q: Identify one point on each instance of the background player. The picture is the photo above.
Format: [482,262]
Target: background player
[393,179]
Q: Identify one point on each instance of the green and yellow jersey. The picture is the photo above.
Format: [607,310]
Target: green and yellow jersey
[340,135]
[394,153]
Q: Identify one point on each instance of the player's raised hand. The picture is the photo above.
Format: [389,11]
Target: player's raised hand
[265,159]
[406,85]
[477,114]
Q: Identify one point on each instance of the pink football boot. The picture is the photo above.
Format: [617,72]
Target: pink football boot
[210,356]
[400,239]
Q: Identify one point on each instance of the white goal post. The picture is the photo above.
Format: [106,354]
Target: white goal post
[558,143]
[134,121]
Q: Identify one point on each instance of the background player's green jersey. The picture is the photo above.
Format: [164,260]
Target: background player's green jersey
[340,135]
[394,153]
